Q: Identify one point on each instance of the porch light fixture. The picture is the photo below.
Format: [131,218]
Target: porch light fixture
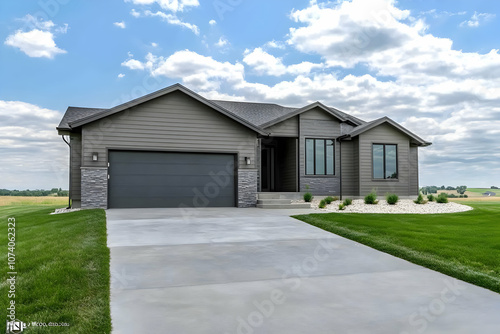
[248,160]
[95,156]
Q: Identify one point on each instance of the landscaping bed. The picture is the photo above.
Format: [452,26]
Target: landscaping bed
[403,206]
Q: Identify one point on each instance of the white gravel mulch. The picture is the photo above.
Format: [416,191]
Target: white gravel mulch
[402,206]
[63,210]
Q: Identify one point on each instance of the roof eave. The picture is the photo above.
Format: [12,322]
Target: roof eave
[161,92]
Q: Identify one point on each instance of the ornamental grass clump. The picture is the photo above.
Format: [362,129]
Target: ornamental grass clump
[308,197]
[329,199]
[371,198]
[392,198]
[442,198]
[420,199]
[347,202]
[322,204]
[431,198]
[341,206]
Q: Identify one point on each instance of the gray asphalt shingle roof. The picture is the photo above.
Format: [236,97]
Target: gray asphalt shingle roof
[255,113]
[76,113]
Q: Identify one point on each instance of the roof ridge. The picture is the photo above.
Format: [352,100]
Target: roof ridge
[248,102]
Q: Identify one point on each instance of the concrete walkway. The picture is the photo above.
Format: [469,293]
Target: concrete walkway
[249,271]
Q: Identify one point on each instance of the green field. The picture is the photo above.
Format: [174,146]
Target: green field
[483,190]
[463,245]
[62,265]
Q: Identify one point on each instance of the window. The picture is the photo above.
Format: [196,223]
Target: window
[385,161]
[320,157]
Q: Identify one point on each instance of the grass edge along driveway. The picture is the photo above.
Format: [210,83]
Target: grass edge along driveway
[463,245]
[62,264]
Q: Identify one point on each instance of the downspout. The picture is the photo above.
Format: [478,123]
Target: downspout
[69,187]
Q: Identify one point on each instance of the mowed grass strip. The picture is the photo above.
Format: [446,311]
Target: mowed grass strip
[62,263]
[463,245]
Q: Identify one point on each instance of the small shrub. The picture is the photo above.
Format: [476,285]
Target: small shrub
[466,196]
[335,198]
[347,201]
[371,198]
[451,196]
[341,206]
[392,198]
[431,198]
[322,204]
[420,199]
[442,198]
[308,197]
[329,199]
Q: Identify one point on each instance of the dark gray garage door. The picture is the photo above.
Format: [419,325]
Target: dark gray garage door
[164,180]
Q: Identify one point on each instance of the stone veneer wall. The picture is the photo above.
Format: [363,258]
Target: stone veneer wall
[321,185]
[247,188]
[94,187]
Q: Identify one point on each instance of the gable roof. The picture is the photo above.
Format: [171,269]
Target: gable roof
[255,113]
[177,87]
[332,111]
[75,113]
[370,125]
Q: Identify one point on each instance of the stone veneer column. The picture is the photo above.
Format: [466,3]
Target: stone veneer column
[247,188]
[94,187]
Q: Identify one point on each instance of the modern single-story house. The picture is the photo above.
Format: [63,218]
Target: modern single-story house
[175,148]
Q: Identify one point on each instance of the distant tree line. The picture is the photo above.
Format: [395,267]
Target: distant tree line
[434,189]
[493,187]
[38,192]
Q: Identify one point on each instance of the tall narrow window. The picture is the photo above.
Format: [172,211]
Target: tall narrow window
[385,161]
[320,157]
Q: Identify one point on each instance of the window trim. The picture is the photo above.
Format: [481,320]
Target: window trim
[314,157]
[384,161]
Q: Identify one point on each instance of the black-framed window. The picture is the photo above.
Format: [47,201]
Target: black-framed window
[320,156]
[385,161]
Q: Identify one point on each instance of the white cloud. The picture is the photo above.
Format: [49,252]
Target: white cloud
[39,41]
[222,42]
[120,24]
[171,5]
[154,44]
[265,63]
[121,75]
[275,45]
[133,64]
[34,43]
[212,22]
[477,19]
[135,13]
[173,19]
[33,153]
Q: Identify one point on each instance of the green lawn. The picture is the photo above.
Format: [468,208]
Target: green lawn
[62,265]
[463,245]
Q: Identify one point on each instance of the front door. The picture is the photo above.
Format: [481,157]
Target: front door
[267,168]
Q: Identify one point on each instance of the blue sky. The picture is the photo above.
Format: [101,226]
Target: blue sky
[434,66]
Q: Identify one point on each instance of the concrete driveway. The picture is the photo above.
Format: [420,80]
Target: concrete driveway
[249,271]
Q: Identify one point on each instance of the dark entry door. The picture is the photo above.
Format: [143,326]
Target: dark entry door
[140,179]
[267,168]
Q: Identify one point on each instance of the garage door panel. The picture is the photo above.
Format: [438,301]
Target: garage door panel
[161,179]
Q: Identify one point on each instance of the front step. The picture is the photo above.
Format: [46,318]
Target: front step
[280,201]
[285,206]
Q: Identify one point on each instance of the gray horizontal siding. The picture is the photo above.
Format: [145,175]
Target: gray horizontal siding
[172,122]
[414,189]
[384,134]
[317,123]
[287,128]
[76,163]
[350,174]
